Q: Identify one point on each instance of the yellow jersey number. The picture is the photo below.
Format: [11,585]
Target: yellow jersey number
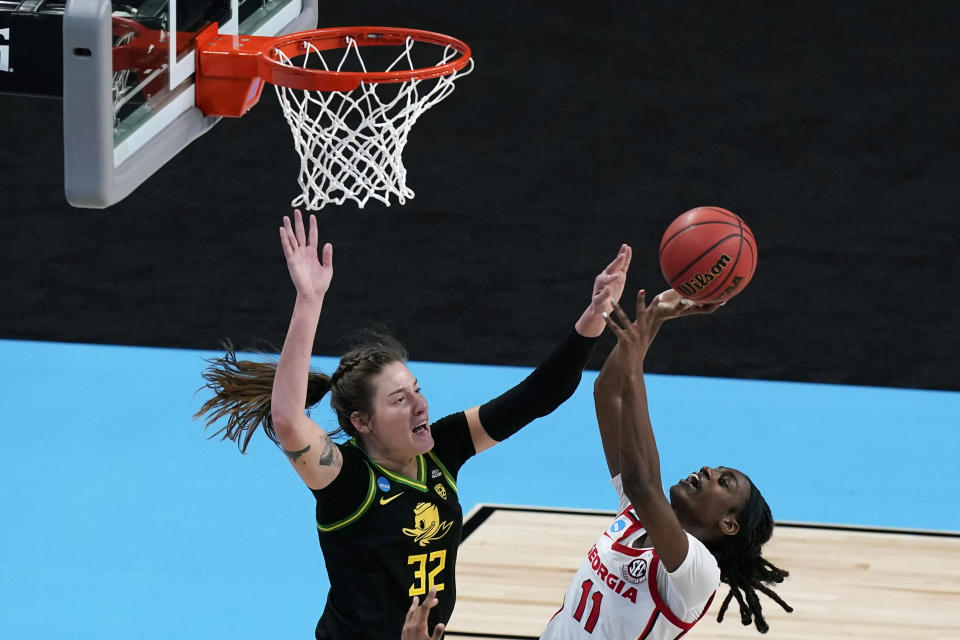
[423,581]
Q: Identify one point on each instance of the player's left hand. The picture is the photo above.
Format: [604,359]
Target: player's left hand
[608,285]
[415,626]
[634,338]
[607,289]
[670,304]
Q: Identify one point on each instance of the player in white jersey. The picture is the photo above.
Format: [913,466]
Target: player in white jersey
[653,573]
[623,591]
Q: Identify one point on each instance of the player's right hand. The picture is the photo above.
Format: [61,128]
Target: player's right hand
[415,626]
[310,275]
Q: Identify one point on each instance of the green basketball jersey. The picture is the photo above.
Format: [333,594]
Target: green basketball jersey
[399,540]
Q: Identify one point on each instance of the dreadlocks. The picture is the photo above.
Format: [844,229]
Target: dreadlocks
[744,569]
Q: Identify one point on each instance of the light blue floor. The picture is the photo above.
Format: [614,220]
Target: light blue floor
[118,519]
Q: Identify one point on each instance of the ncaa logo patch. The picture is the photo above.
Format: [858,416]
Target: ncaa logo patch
[383,484]
[636,571]
[618,525]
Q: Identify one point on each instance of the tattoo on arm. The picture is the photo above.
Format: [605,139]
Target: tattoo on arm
[295,455]
[329,457]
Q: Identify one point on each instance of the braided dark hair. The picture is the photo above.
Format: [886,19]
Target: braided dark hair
[743,568]
[242,388]
[350,383]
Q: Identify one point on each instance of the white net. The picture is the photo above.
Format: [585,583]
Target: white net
[121,78]
[351,143]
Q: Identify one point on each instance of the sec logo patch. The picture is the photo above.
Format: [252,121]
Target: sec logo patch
[636,571]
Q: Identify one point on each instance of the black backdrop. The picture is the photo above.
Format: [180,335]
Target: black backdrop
[832,128]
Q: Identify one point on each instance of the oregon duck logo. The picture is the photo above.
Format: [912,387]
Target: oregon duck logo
[426,524]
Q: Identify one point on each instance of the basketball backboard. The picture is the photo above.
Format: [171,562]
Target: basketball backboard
[128,83]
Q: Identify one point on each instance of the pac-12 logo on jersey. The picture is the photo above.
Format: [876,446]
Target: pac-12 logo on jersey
[635,571]
[619,525]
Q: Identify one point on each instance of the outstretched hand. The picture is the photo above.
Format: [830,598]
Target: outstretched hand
[607,289]
[608,285]
[634,338]
[311,276]
[415,626]
[670,304]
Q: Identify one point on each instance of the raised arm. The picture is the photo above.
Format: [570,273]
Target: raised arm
[557,377]
[639,460]
[607,400]
[311,452]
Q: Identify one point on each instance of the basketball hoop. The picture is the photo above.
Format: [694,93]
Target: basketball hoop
[350,95]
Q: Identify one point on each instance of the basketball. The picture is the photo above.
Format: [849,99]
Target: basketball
[708,254]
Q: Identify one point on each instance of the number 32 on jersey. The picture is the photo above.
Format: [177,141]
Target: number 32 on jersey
[427,568]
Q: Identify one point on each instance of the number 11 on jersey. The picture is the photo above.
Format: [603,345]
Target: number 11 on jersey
[595,599]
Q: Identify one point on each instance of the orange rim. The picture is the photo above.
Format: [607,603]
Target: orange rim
[274,71]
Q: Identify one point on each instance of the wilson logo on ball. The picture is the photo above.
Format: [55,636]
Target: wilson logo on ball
[708,254]
[701,280]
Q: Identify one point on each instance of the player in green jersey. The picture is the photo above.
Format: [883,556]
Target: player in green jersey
[387,512]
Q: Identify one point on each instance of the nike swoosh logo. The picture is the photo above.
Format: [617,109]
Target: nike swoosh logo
[390,499]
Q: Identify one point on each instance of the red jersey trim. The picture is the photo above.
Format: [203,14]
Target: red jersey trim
[628,511]
[658,601]
[706,607]
[632,527]
[629,531]
[626,549]
[650,623]
[562,605]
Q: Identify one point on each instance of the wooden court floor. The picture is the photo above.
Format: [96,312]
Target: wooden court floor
[515,563]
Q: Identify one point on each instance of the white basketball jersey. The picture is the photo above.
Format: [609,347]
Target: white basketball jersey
[623,593]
